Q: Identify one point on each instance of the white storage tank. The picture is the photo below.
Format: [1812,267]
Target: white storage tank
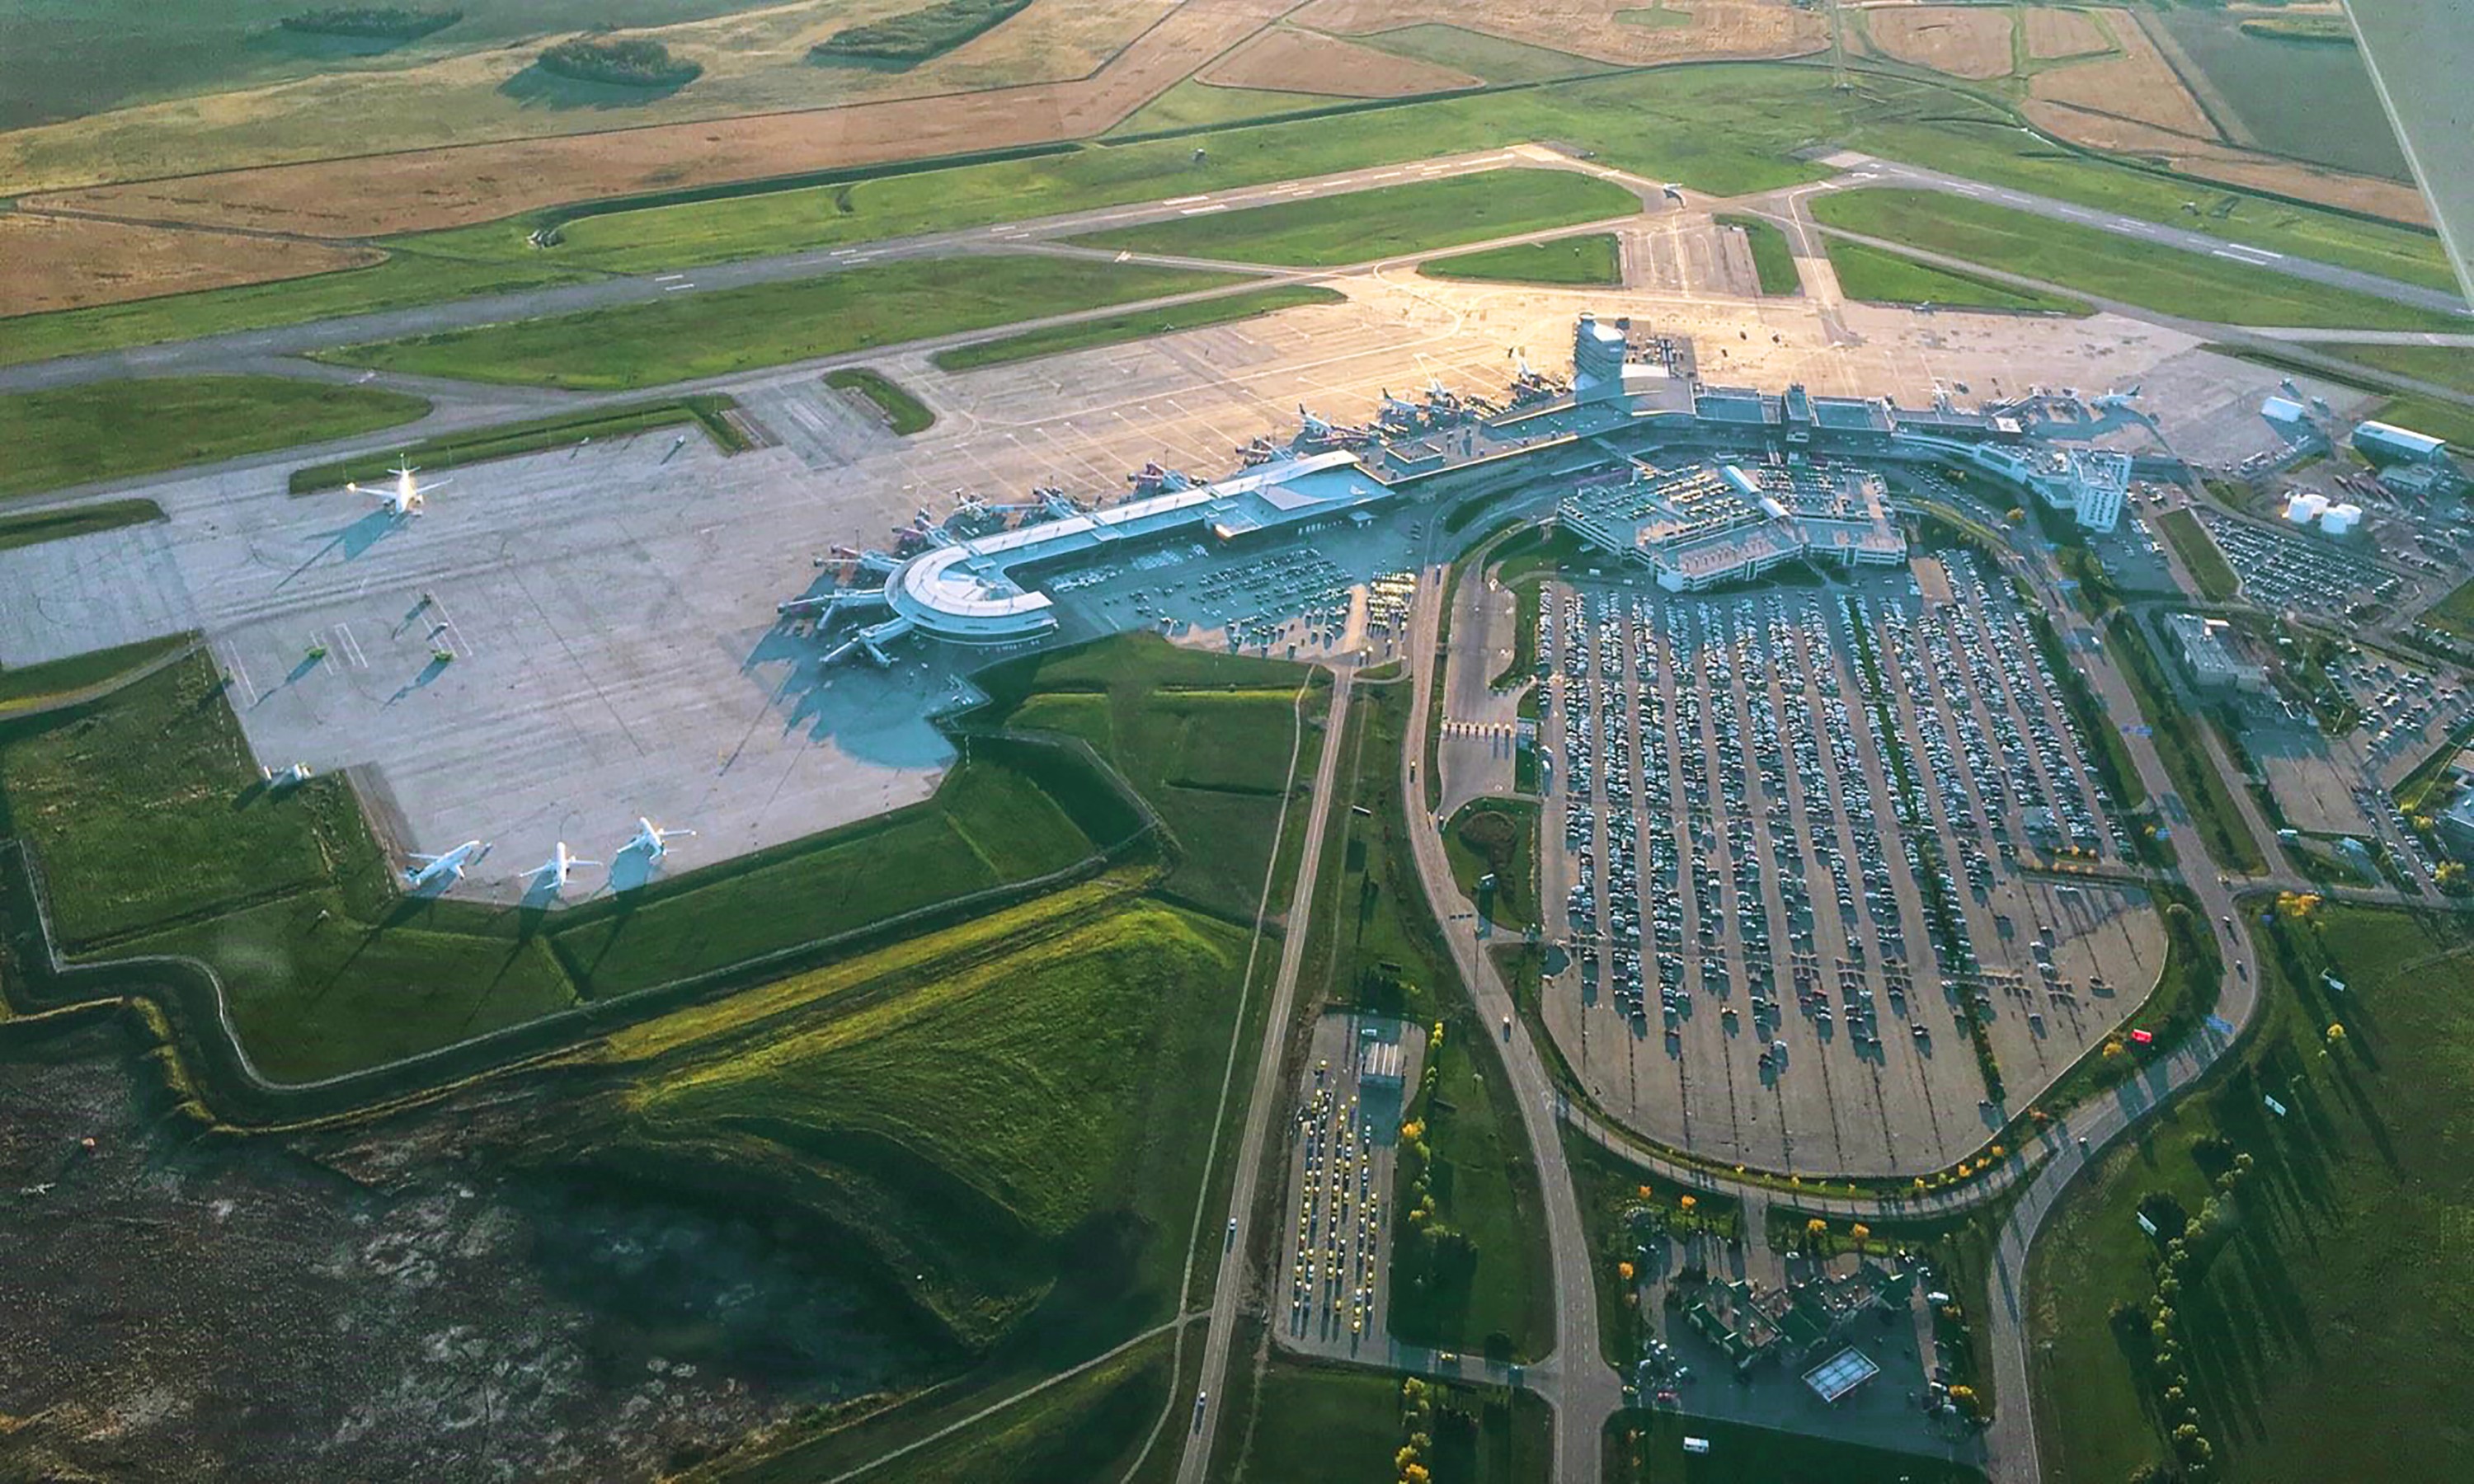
[2341,519]
[2306,507]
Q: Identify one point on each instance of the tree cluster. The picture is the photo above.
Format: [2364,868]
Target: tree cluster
[915,35]
[376,22]
[630,62]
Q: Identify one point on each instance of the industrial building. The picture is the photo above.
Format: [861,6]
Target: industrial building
[2207,646]
[2384,442]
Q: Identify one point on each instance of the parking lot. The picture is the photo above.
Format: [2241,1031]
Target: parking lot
[1336,1241]
[1800,818]
[2285,571]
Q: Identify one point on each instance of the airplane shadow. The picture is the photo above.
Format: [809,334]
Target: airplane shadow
[353,539]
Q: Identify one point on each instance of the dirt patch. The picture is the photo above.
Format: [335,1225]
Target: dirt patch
[2055,33]
[1963,42]
[68,262]
[2139,85]
[398,1307]
[2214,160]
[1294,62]
[453,187]
[1718,29]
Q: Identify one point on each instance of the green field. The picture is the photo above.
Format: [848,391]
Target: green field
[1325,1425]
[1205,738]
[2199,552]
[1193,105]
[2255,66]
[681,338]
[1018,1134]
[2165,279]
[1772,258]
[2313,1325]
[1117,329]
[1480,55]
[1869,273]
[55,525]
[50,683]
[1647,1448]
[1361,225]
[120,429]
[904,413]
[2446,422]
[2443,366]
[2454,612]
[1591,260]
[987,825]
[507,440]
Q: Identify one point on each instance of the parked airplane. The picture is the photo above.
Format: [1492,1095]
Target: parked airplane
[652,839]
[449,866]
[556,869]
[405,496]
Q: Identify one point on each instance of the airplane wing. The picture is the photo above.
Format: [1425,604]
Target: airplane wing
[425,860]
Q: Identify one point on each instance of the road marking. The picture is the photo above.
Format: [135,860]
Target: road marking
[351,647]
[1201,210]
[2251,256]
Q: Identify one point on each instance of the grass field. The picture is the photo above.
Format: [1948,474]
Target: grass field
[1480,55]
[1015,1140]
[120,429]
[1591,260]
[1117,329]
[33,686]
[2312,1326]
[2454,612]
[767,324]
[1193,105]
[55,525]
[2199,552]
[2165,279]
[1420,216]
[507,440]
[1772,258]
[1205,738]
[2450,424]
[1647,1448]
[904,413]
[1495,837]
[1868,272]
[1324,1425]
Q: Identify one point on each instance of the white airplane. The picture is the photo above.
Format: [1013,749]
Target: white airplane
[652,839]
[557,868]
[448,867]
[405,495]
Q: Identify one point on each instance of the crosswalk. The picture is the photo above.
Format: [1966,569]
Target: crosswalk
[1500,731]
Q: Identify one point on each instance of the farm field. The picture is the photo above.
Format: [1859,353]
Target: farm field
[1630,33]
[118,429]
[64,263]
[1490,57]
[1963,42]
[1587,262]
[2161,278]
[2312,101]
[1367,225]
[1299,62]
[1876,276]
[2053,32]
[766,324]
[1142,325]
[2308,1320]
[1771,257]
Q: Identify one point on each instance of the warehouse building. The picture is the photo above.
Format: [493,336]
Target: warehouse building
[2384,442]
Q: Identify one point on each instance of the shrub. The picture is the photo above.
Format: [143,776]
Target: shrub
[915,35]
[630,62]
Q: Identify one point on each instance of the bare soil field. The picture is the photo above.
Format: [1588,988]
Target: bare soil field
[753,61]
[2054,33]
[1720,29]
[1962,41]
[398,1302]
[1295,62]
[423,189]
[2214,160]
[2139,85]
[69,262]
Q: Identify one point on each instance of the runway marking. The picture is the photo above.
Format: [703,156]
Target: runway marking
[1202,210]
[672,288]
[1185,201]
[239,672]
[350,646]
[666,277]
